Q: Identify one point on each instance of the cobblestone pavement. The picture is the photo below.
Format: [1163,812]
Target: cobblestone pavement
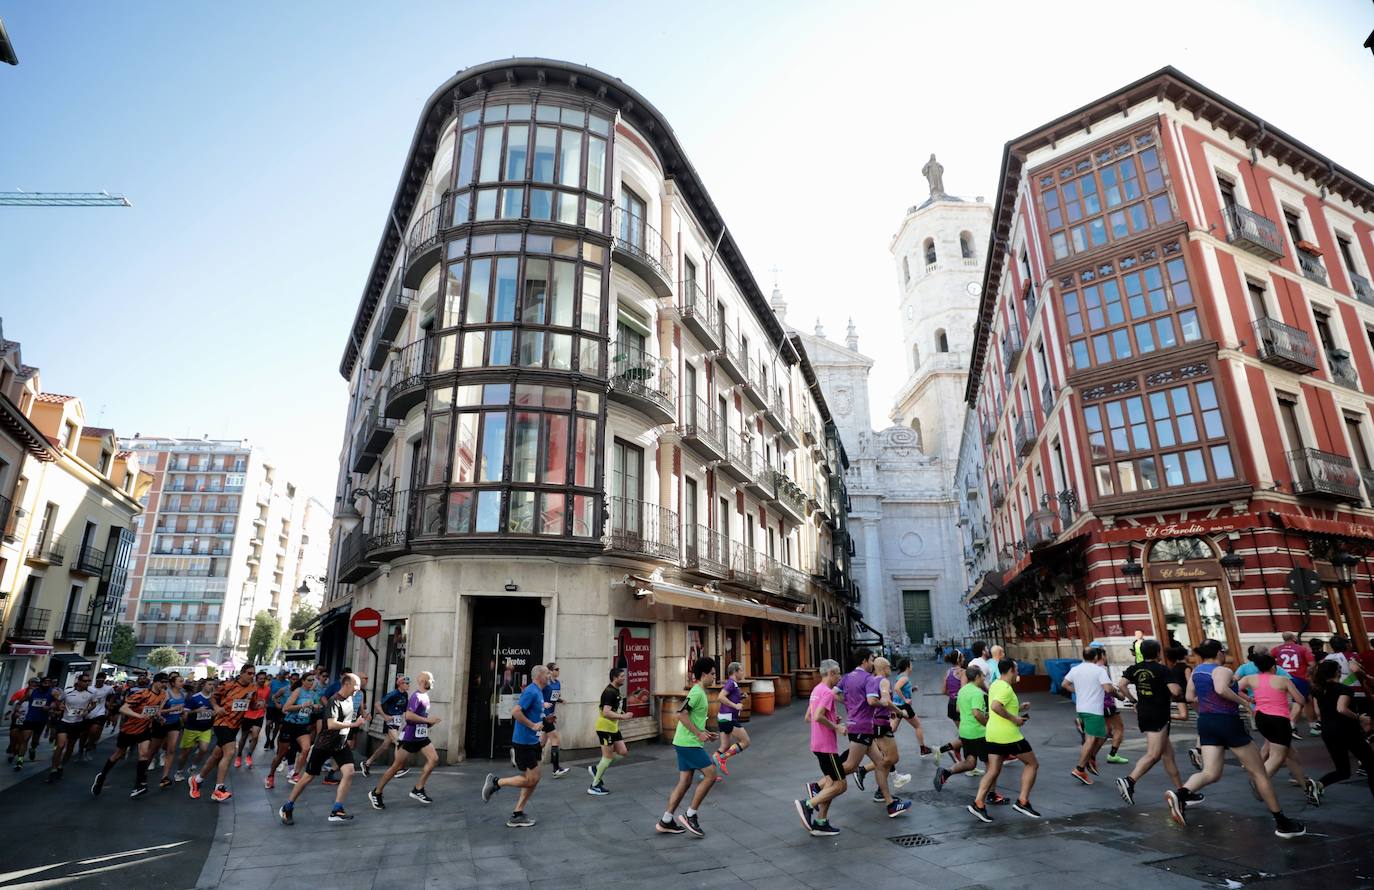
[753,837]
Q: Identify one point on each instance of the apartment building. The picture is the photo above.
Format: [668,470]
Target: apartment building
[576,429]
[1172,369]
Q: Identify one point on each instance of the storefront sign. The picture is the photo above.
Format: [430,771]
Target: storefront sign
[1171,572]
[633,651]
[1184,529]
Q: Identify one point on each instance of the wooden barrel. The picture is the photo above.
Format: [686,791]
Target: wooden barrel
[761,693]
[804,681]
[782,690]
[669,703]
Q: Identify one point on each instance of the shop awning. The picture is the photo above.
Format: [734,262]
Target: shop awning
[13,648]
[665,593]
[1335,527]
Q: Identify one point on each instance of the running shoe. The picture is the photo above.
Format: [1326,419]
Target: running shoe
[1117,758]
[139,791]
[692,825]
[979,812]
[220,795]
[901,780]
[808,815]
[331,779]
[598,790]
[1288,828]
[269,783]
[179,776]
[193,786]
[248,761]
[519,820]
[340,815]
[720,762]
[1126,788]
[238,761]
[859,774]
[813,790]
[489,787]
[1178,806]
[997,798]
[561,772]
[941,777]
[293,778]
[285,816]
[898,807]
[420,795]
[401,772]
[165,783]
[1296,734]
[1081,775]
[53,776]
[975,772]
[591,771]
[18,764]
[375,799]
[1092,767]
[1195,758]
[926,751]
[668,826]
[1314,792]
[1025,809]
[367,770]
[99,783]
[823,829]
[878,797]
[1315,730]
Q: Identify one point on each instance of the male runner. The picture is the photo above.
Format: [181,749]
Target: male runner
[904,699]
[826,728]
[1219,728]
[19,705]
[76,705]
[553,694]
[200,716]
[340,721]
[277,691]
[230,704]
[973,719]
[691,754]
[1090,684]
[733,737]
[528,714]
[140,710]
[884,736]
[1006,716]
[608,731]
[393,708]
[39,700]
[251,725]
[97,716]
[978,648]
[414,739]
[1155,691]
[1297,660]
[859,690]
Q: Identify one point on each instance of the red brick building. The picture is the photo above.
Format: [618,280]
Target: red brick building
[1171,373]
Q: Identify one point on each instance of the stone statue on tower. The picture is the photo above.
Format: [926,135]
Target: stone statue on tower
[935,175]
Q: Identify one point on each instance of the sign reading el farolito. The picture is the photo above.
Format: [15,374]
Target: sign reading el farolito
[1185,529]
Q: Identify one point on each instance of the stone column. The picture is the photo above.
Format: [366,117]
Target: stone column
[874,611]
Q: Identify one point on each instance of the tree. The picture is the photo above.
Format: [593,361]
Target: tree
[164,657]
[304,614]
[262,642]
[123,644]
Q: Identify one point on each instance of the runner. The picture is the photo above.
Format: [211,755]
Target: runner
[1272,693]
[825,731]
[19,705]
[904,702]
[884,733]
[195,738]
[973,719]
[1343,731]
[76,705]
[38,705]
[691,755]
[298,718]
[1219,728]
[608,731]
[414,739]
[553,694]
[393,708]
[1116,727]
[251,725]
[1155,690]
[141,709]
[277,690]
[978,648]
[230,704]
[954,681]
[167,728]
[733,737]
[859,690]
[1003,739]
[97,716]
[528,714]
[340,721]
[1090,685]
[1297,660]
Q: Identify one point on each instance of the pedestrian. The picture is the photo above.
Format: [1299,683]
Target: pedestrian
[1155,690]
[1276,699]
[393,708]
[611,712]
[414,740]
[1003,739]
[167,730]
[973,720]
[904,699]
[528,714]
[826,729]
[197,735]
[229,704]
[553,694]
[340,722]
[1219,728]
[1343,730]
[688,741]
[1090,684]
[733,737]
[141,709]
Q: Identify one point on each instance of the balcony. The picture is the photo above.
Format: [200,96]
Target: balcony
[391,315]
[1028,297]
[372,437]
[701,430]
[638,246]
[1025,436]
[809,431]
[757,386]
[389,530]
[1342,371]
[746,567]
[989,434]
[1285,347]
[733,358]
[782,419]
[1311,266]
[6,506]
[48,550]
[738,464]
[89,561]
[406,382]
[353,563]
[1040,529]
[706,552]
[76,626]
[643,529]
[1320,474]
[759,482]
[644,382]
[1047,397]
[790,499]
[997,497]
[1012,347]
[423,246]
[1250,231]
[698,314]
[32,624]
[793,583]
[1368,476]
[1364,291]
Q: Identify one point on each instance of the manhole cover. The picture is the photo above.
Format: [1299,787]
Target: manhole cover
[912,840]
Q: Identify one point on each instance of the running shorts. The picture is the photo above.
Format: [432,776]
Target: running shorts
[608,738]
[1151,722]
[882,730]
[977,748]
[1303,687]
[126,740]
[1108,706]
[414,746]
[691,757]
[726,726]
[952,711]
[1276,730]
[527,756]
[275,715]
[225,735]
[314,764]
[71,729]
[861,738]
[831,765]
[549,726]
[292,733]
[192,737]
[905,710]
[160,730]
[1008,749]
[1094,725]
[249,722]
[1223,731]
[34,725]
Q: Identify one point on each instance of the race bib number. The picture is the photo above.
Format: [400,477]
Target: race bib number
[557,695]
[150,711]
[421,731]
[39,705]
[75,713]
[395,722]
[240,704]
[204,714]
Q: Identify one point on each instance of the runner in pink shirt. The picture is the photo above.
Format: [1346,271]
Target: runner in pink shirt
[825,728]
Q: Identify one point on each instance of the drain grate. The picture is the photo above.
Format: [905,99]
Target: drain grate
[912,840]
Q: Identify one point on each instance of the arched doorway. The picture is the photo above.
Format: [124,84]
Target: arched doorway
[1189,597]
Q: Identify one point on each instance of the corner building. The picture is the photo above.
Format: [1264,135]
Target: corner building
[1171,369]
[577,431]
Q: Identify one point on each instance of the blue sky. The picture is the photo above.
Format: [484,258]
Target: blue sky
[261,145]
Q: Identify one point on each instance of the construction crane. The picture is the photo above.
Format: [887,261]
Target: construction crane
[21,198]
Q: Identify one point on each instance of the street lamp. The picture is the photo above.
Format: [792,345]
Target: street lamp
[1133,572]
[304,589]
[1344,563]
[1234,564]
[348,515]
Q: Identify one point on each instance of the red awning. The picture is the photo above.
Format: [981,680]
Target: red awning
[1299,522]
[13,648]
[1186,528]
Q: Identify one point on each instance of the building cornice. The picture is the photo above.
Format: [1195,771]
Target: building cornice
[21,429]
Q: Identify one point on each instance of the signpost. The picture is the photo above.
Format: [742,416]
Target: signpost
[366,624]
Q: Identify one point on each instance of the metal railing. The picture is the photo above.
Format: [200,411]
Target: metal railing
[696,308]
[997,496]
[408,367]
[424,232]
[1040,529]
[1025,435]
[6,505]
[1287,347]
[390,525]
[745,566]
[76,626]
[789,493]
[182,573]
[51,549]
[1028,295]
[32,623]
[1364,291]
[1311,266]
[637,526]
[793,582]
[1342,371]
[1324,474]
[701,423]
[1248,229]
[637,373]
[706,550]
[1047,397]
[636,238]
[1367,475]
[1012,348]
[90,560]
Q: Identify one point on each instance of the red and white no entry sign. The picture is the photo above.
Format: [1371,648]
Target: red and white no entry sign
[366,623]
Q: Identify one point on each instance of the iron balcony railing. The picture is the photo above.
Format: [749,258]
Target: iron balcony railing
[6,505]
[638,240]
[181,573]
[1285,347]
[1367,474]
[698,312]
[637,373]
[424,232]
[640,527]
[1011,349]
[706,550]
[1047,397]
[1040,529]
[700,425]
[374,433]
[1311,266]
[90,560]
[1068,506]
[32,623]
[1364,291]
[997,496]
[793,584]
[406,380]
[52,550]
[1253,232]
[1025,436]
[1323,474]
[353,562]
[1029,298]
[76,626]
[989,434]
[732,357]
[745,567]
[389,529]
[789,494]
[1342,371]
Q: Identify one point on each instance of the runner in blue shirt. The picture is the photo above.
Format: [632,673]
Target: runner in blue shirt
[278,690]
[528,714]
[393,708]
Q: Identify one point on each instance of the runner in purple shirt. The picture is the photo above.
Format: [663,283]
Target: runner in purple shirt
[414,740]
[733,737]
[861,690]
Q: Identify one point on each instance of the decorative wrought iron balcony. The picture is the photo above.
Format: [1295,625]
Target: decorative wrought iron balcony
[353,562]
[996,496]
[789,497]
[89,561]
[705,551]
[643,381]
[390,526]
[640,247]
[423,245]
[1342,371]
[701,429]
[1322,474]
[1249,230]
[50,549]
[1012,347]
[642,528]
[76,626]
[1040,529]
[376,431]
[391,315]
[32,624]
[698,314]
[1025,436]
[1311,266]
[1364,291]
[406,379]
[1285,347]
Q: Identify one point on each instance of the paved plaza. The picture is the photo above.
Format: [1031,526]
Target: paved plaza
[753,837]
